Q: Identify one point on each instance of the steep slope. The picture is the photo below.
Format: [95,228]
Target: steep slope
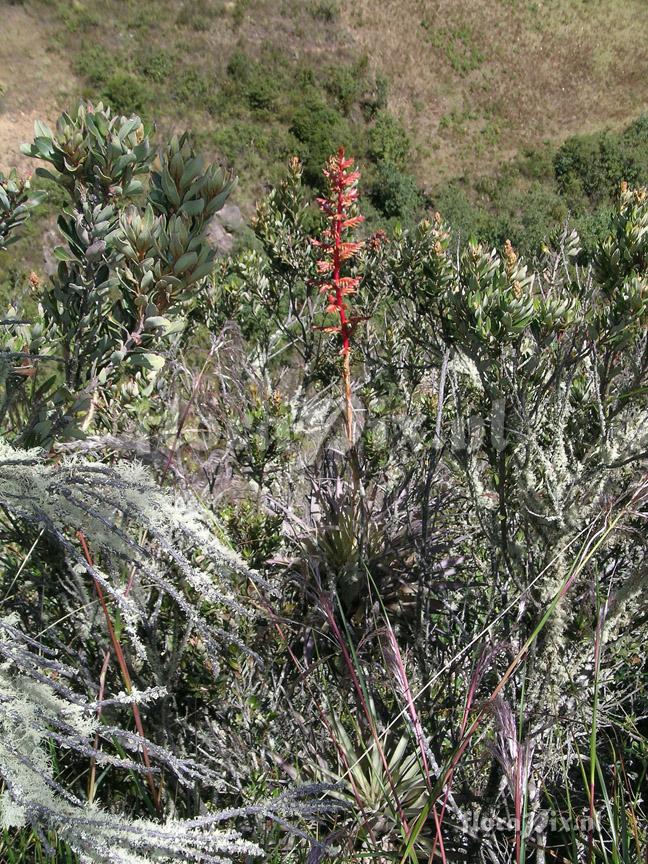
[473,81]
[35,81]
[477,80]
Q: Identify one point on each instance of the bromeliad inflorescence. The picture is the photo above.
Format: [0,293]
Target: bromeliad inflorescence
[337,249]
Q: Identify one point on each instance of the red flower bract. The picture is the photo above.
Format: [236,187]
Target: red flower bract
[336,249]
[335,245]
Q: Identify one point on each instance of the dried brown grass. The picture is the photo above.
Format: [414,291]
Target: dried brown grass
[550,69]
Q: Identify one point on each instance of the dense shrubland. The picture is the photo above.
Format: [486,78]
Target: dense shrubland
[529,198]
[330,549]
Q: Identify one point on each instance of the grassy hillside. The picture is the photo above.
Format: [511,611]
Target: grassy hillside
[35,78]
[448,104]
[473,81]
[476,81]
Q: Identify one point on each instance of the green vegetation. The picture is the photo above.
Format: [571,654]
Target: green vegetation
[529,199]
[457,44]
[253,104]
[282,104]
[323,489]
[378,591]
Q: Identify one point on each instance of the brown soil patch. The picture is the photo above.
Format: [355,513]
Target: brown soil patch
[36,82]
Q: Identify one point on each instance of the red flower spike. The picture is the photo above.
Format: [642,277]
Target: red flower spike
[334,245]
[336,248]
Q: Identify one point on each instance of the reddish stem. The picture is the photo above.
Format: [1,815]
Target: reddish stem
[123,666]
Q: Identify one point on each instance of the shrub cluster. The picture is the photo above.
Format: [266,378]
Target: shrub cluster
[530,199]
[431,453]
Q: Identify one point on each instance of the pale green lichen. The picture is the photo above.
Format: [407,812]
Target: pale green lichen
[131,526]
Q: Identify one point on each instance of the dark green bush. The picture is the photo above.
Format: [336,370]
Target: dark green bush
[536,163]
[255,81]
[320,130]
[261,90]
[388,141]
[156,64]
[469,221]
[97,65]
[636,137]
[238,65]
[395,193]
[375,101]
[347,84]
[592,166]
[263,149]
[593,228]
[589,165]
[126,93]
[193,87]
[106,71]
